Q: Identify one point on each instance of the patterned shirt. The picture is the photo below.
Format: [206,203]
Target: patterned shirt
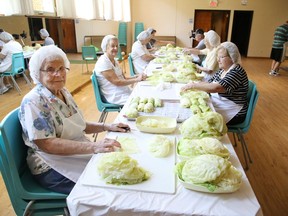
[236,85]
[280,36]
[40,119]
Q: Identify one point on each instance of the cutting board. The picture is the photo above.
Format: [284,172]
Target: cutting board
[162,179]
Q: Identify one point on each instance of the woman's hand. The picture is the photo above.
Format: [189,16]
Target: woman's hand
[187,87]
[141,77]
[106,145]
[118,127]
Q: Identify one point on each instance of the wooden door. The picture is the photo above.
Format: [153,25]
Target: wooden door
[217,20]
[51,26]
[68,36]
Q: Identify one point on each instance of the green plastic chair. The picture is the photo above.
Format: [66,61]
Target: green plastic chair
[26,195]
[242,128]
[18,67]
[139,27]
[102,105]
[122,34]
[131,66]
[89,54]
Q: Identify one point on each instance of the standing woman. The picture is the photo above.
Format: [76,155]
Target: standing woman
[10,46]
[280,37]
[228,87]
[114,86]
[54,127]
[209,64]
[47,40]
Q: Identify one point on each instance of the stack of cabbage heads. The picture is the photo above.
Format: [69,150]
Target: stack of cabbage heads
[212,172]
[207,145]
[118,168]
[208,124]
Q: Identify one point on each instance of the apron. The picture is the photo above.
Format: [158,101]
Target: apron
[227,108]
[70,166]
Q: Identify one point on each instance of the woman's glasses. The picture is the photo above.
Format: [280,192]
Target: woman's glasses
[53,71]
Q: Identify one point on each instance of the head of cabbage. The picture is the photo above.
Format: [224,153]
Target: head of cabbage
[119,168]
[210,171]
[207,124]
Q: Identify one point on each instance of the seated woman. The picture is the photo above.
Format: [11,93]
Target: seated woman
[44,34]
[228,87]
[54,127]
[140,55]
[151,45]
[113,84]
[10,46]
[209,64]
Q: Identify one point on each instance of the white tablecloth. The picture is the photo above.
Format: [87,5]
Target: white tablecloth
[90,200]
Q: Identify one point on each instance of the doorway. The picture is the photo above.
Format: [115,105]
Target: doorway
[241,29]
[217,20]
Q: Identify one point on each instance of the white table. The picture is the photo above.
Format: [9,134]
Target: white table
[90,200]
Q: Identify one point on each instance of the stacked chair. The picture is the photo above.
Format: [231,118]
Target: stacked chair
[26,195]
[139,27]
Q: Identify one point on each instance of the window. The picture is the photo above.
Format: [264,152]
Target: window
[44,7]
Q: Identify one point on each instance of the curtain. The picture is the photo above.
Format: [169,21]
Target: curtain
[10,7]
[117,10]
[88,9]
[65,8]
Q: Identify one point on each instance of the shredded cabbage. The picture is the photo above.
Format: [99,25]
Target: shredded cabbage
[160,146]
[118,168]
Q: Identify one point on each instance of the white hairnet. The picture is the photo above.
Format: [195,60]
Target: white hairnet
[45,53]
[150,30]
[44,33]
[213,38]
[143,35]
[106,41]
[5,36]
[232,51]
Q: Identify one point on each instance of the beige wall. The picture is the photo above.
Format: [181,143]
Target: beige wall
[171,18]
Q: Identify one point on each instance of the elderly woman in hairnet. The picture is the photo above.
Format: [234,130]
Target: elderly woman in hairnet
[54,127]
[10,46]
[140,55]
[114,86]
[209,64]
[228,86]
[45,35]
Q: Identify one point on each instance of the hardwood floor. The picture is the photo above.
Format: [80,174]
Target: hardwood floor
[267,138]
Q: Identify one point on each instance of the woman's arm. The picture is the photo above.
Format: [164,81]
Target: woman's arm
[112,77]
[61,146]
[204,86]
[147,57]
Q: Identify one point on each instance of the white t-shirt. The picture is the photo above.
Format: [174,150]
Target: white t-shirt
[139,50]
[8,49]
[112,93]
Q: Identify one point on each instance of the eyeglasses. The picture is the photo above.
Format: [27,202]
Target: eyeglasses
[222,57]
[53,71]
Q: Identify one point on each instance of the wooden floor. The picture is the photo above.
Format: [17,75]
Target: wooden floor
[267,138]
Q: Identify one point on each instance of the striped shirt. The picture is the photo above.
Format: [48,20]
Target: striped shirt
[236,85]
[280,36]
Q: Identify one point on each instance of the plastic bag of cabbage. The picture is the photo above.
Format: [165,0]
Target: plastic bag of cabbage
[188,148]
[208,124]
[209,173]
[119,168]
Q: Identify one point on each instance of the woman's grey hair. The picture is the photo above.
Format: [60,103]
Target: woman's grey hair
[43,55]
[6,37]
[213,38]
[106,41]
[44,33]
[232,51]
[143,35]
